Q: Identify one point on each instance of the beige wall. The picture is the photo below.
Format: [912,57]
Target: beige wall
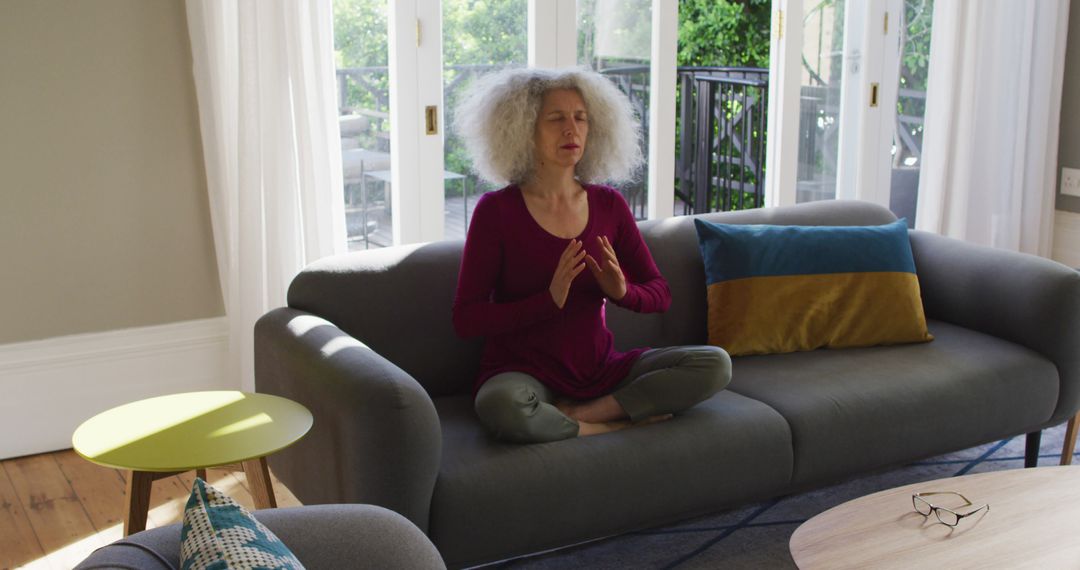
[1069,143]
[104,216]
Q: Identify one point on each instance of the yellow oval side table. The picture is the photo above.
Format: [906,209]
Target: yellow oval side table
[160,437]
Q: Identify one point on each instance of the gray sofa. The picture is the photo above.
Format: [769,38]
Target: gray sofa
[367,345]
[321,536]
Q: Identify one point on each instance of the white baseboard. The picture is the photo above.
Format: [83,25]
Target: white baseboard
[1066,238]
[49,387]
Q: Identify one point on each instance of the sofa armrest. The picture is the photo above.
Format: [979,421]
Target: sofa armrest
[321,536]
[376,436]
[1022,298]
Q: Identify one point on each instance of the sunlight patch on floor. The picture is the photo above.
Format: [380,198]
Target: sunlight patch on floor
[171,512]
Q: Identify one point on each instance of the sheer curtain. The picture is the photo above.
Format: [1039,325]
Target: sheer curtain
[992,119]
[264,76]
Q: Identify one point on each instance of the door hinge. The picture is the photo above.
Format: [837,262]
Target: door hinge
[418,32]
[886,23]
[873,94]
[779,24]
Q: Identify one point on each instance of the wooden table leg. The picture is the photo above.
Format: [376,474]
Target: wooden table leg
[1070,440]
[201,474]
[138,498]
[258,478]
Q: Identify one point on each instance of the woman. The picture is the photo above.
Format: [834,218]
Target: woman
[543,256]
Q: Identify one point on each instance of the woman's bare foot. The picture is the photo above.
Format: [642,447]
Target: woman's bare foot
[600,410]
[587,428]
[654,419]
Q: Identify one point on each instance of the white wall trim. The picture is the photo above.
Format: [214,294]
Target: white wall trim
[51,386]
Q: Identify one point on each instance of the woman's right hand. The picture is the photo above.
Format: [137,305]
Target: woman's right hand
[571,263]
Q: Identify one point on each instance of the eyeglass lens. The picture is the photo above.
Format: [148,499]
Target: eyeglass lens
[947,517]
[921,506]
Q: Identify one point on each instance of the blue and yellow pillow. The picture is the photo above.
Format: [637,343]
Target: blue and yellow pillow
[219,534]
[776,289]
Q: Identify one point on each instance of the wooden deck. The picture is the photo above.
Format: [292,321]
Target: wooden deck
[57,508]
[381,236]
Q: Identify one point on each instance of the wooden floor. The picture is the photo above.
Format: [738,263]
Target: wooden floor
[57,508]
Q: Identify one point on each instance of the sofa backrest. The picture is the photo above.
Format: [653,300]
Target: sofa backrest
[398,300]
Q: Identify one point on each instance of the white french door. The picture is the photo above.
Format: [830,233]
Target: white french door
[437,48]
[407,175]
[834,76]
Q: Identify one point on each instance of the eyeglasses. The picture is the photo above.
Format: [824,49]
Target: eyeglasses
[946,516]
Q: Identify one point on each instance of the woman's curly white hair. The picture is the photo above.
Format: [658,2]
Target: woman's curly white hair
[497,119]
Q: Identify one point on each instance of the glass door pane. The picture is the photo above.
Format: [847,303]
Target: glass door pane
[615,39]
[821,82]
[479,37]
[362,59]
[911,107]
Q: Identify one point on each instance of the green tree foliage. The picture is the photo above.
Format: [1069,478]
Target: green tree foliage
[916,59]
[614,33]
[724,32]
[360,43]
[914,73]
[477,33]
[485,32]
[360,33]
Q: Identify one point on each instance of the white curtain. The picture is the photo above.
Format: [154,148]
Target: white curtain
[992,119]
[264,76]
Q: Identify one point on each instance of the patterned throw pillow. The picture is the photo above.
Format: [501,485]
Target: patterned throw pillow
[776,289]
[219,534]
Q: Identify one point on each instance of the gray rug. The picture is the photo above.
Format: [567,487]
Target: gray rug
[756,536]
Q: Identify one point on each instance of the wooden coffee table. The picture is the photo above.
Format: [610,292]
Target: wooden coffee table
[1033,520]
[163,436]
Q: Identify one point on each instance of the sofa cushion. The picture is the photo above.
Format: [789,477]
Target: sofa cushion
[857,409]
[776,289]
[674,243]
[493,498]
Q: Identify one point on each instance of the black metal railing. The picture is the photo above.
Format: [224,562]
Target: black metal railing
[721,119]
[909,127]
[720,162]
[634,81]
[721,122]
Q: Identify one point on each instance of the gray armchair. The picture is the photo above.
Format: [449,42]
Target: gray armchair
[321,536]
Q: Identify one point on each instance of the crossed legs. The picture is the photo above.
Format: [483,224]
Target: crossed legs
[516,407]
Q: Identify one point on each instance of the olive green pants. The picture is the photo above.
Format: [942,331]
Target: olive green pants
[517,407]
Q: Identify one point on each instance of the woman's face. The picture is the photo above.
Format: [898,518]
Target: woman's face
[561,129]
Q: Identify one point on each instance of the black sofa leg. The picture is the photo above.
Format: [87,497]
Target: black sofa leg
[1031,450]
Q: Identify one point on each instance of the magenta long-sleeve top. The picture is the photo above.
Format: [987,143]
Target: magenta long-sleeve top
[502,294]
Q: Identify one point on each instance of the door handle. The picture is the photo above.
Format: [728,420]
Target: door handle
[431,119]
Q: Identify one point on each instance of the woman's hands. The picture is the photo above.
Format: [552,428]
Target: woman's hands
[569,267]
[607,272]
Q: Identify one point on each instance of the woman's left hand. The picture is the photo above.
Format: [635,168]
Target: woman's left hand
[607,272]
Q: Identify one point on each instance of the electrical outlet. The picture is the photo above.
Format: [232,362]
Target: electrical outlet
[1070,181]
